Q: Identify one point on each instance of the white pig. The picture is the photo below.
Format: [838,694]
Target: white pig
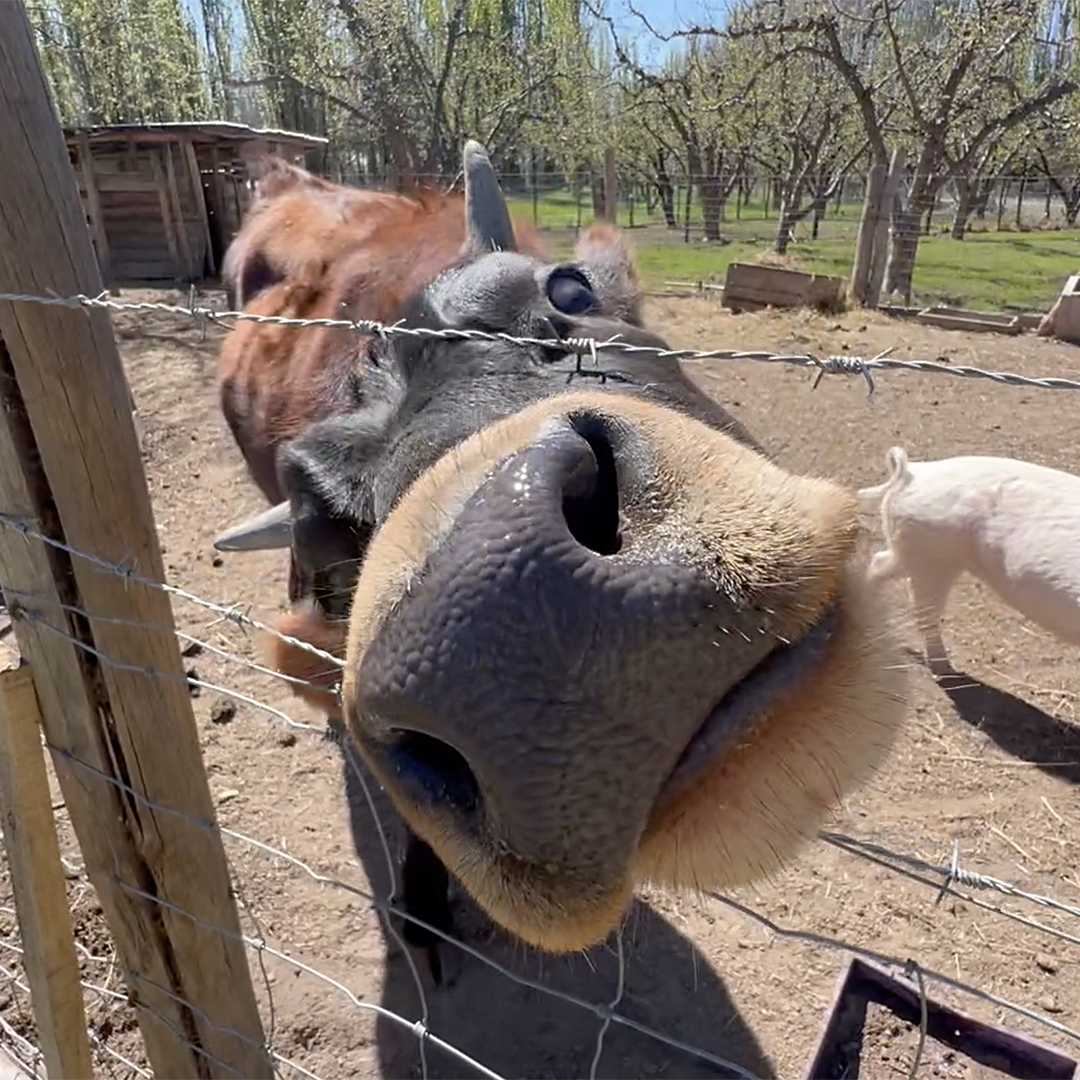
[1011,524]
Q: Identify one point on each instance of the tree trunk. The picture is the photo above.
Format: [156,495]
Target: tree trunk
[906,221]
[791,212]
[785,230]
[666,191]
[903,250]
[876,276]
[1020,201]
[1070,200]
[686,209]
[667,201]
[965,203]
[596,186]
[611,186]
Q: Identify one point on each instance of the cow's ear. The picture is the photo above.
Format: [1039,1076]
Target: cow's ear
[608,259]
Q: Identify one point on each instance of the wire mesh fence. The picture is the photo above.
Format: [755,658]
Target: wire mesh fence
[746,202]
[306,894]
[949,879]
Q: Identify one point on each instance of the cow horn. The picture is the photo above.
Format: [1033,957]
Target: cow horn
[487,220]
[270,529]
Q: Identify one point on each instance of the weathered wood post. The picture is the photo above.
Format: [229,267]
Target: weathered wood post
[37,878]
[873,210]
[124,743]
[880,249]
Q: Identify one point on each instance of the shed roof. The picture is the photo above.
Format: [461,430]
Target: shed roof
[204,131]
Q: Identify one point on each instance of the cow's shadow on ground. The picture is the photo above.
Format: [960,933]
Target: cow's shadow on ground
[519,1031]
[1019,728]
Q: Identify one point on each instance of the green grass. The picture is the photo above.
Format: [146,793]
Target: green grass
[988,271]
[992,271]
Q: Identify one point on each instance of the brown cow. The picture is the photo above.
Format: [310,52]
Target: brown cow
[592,635]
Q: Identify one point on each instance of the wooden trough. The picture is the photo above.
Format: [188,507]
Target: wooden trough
[990,322]
[750,287]
[842,1049]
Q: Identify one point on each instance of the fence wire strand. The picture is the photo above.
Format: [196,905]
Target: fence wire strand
[583,347]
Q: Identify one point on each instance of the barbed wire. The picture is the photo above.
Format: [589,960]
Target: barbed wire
[950,874]
[809,937]
[582,347]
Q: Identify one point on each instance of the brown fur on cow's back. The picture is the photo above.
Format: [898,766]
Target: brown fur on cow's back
[326,251]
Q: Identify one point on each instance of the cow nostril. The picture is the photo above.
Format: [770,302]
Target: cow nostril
[592,515]
[436,767]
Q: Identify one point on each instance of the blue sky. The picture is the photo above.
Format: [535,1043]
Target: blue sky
[665,16]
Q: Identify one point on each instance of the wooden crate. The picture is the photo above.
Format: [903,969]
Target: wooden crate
[749,287]
[1003,1049]
[990,322]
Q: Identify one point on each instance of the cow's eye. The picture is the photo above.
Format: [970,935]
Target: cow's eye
[569,291]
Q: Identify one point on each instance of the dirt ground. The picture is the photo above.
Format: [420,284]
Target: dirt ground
[993,765]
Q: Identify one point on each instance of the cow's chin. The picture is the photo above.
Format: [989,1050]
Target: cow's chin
[749,809]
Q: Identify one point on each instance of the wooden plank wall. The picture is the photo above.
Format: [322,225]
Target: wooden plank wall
[224,173]
[151,218]
[151,214]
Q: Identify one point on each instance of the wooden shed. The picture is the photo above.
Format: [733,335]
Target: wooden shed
[164,200]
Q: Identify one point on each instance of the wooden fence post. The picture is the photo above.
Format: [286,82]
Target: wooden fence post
[52,968]
[873,209]
[124,743]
